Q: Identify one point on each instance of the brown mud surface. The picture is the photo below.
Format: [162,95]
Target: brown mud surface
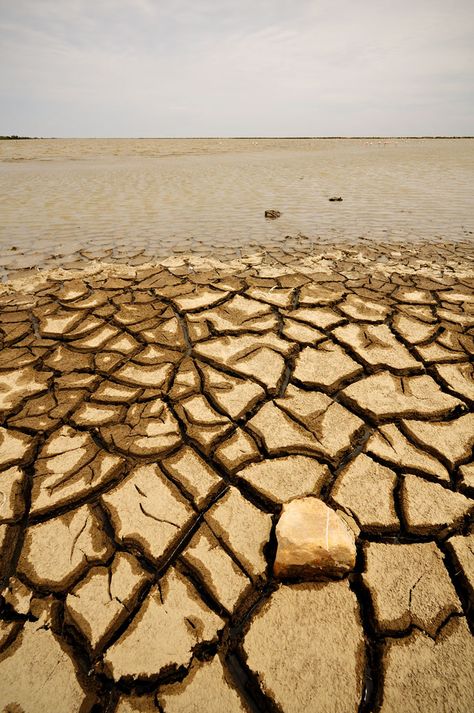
[153,421]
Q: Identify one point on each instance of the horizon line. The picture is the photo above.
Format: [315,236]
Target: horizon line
[15,137]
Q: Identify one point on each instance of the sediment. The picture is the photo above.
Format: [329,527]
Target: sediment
[154,420]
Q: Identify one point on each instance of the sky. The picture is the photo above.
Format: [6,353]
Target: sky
[151,68]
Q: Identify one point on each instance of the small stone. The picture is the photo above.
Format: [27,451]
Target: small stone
[273,214]
[313,541]
[335,199]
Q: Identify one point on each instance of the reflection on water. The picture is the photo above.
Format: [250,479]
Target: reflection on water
[57,196]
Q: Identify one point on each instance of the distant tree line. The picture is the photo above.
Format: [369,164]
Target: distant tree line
[13,137]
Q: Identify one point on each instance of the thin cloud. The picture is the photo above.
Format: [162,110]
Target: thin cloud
[199,67]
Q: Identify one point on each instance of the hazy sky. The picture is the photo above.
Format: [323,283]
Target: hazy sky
[236,67]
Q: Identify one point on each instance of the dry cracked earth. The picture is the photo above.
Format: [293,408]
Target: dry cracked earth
[152,426]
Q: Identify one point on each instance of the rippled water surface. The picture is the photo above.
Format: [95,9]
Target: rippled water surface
[156,195]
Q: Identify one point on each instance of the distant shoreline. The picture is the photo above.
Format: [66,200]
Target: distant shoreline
[220,138]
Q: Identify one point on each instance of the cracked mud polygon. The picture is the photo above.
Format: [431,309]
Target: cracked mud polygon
[153,422]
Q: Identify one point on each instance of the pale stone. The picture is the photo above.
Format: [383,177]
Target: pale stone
[146,647]
[365,488]
[205,688]
[377,346]
[148,511]
[244,528]
[306,647]
[312,541]
[430,508]
[326,366]
[462,551]
[58,552]
[452,440]
[281,479]
[383,396]
[103,599]
[219,572]
[14,447]
[391,445]
[37,675]
[422,674]
[409,585]
[12,504]
[197,478]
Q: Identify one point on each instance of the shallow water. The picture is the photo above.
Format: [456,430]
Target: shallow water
[160,195]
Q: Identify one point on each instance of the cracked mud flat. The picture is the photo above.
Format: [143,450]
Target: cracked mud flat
[154,421]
